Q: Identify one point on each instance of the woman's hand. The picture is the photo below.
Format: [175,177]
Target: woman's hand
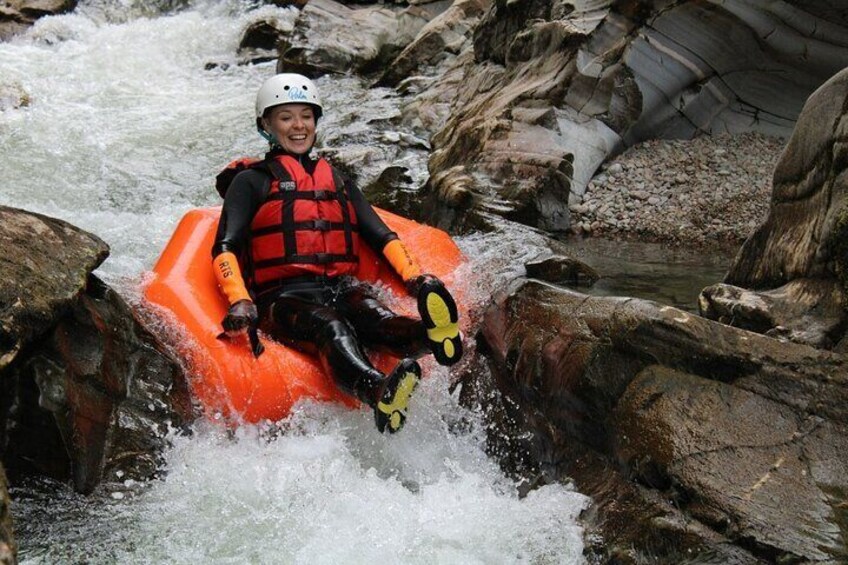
[241,315]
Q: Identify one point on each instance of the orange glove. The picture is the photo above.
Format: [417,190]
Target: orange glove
[228,274]
[401,260]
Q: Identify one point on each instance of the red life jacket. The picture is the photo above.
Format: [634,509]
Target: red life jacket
[307,226]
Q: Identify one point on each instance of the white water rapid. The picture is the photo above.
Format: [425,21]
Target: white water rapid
[125,128]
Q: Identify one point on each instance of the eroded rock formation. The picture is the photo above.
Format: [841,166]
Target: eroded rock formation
[791,276]
[694,439]
[555,88]
[84,390]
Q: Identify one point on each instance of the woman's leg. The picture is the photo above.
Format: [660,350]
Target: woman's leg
[322,329]
[377,325]
[338,349]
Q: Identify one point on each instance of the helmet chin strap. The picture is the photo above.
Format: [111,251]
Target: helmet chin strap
[269,137]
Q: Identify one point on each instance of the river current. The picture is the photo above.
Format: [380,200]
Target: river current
[130,115]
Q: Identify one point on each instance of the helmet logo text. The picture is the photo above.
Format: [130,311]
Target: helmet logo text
[297,94]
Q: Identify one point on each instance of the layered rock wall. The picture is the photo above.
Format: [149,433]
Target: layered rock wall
[555,88]
[695,440]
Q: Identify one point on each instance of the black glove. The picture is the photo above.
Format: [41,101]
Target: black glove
[240,316]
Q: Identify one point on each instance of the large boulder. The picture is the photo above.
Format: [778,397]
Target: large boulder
[696,440]
[17,15]
[7,540]
[86,391]
[555,88]
[332,38]
[40,283]
[791,275]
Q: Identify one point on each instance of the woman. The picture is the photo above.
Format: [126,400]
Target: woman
[296,224]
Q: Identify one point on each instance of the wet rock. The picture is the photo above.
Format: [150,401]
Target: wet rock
[438,40]
[808,311]
[100,387]
[562,269]
[7,540]
[332,38]
[796,260]
[259,42]
[286,3]
[696,440]
[262,39]
[392,190]
[12,96]
[40,283]
[17,15]
[86,391]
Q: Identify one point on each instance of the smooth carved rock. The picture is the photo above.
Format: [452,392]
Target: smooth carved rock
[7,540]
[39,283]
[332,38]
[796,263]
[806,224]
[730,436]
[615,74]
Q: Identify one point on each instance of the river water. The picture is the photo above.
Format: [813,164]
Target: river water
[130,116]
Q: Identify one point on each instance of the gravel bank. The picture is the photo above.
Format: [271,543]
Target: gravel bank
[706,191]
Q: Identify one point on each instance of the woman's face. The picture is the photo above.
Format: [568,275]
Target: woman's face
[293,125]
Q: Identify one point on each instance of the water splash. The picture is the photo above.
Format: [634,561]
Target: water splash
[324,487]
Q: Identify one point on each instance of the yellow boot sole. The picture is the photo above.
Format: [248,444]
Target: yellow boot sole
[440,316]
[390,412]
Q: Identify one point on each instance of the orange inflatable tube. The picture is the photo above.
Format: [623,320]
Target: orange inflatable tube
[226,379]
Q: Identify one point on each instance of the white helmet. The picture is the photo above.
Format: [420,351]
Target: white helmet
[287,88]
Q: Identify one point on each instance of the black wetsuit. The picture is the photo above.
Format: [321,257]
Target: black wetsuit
[328,316]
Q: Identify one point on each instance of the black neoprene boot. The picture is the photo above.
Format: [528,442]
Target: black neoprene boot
[398,386]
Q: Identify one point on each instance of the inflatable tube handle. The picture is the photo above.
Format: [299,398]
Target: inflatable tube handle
[255,345]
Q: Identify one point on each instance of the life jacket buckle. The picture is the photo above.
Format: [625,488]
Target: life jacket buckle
[323,258]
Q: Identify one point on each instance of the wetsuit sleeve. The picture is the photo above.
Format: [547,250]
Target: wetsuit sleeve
[373,230]
[246,193]
[379,237]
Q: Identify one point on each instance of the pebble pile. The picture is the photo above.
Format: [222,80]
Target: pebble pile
[705,191]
